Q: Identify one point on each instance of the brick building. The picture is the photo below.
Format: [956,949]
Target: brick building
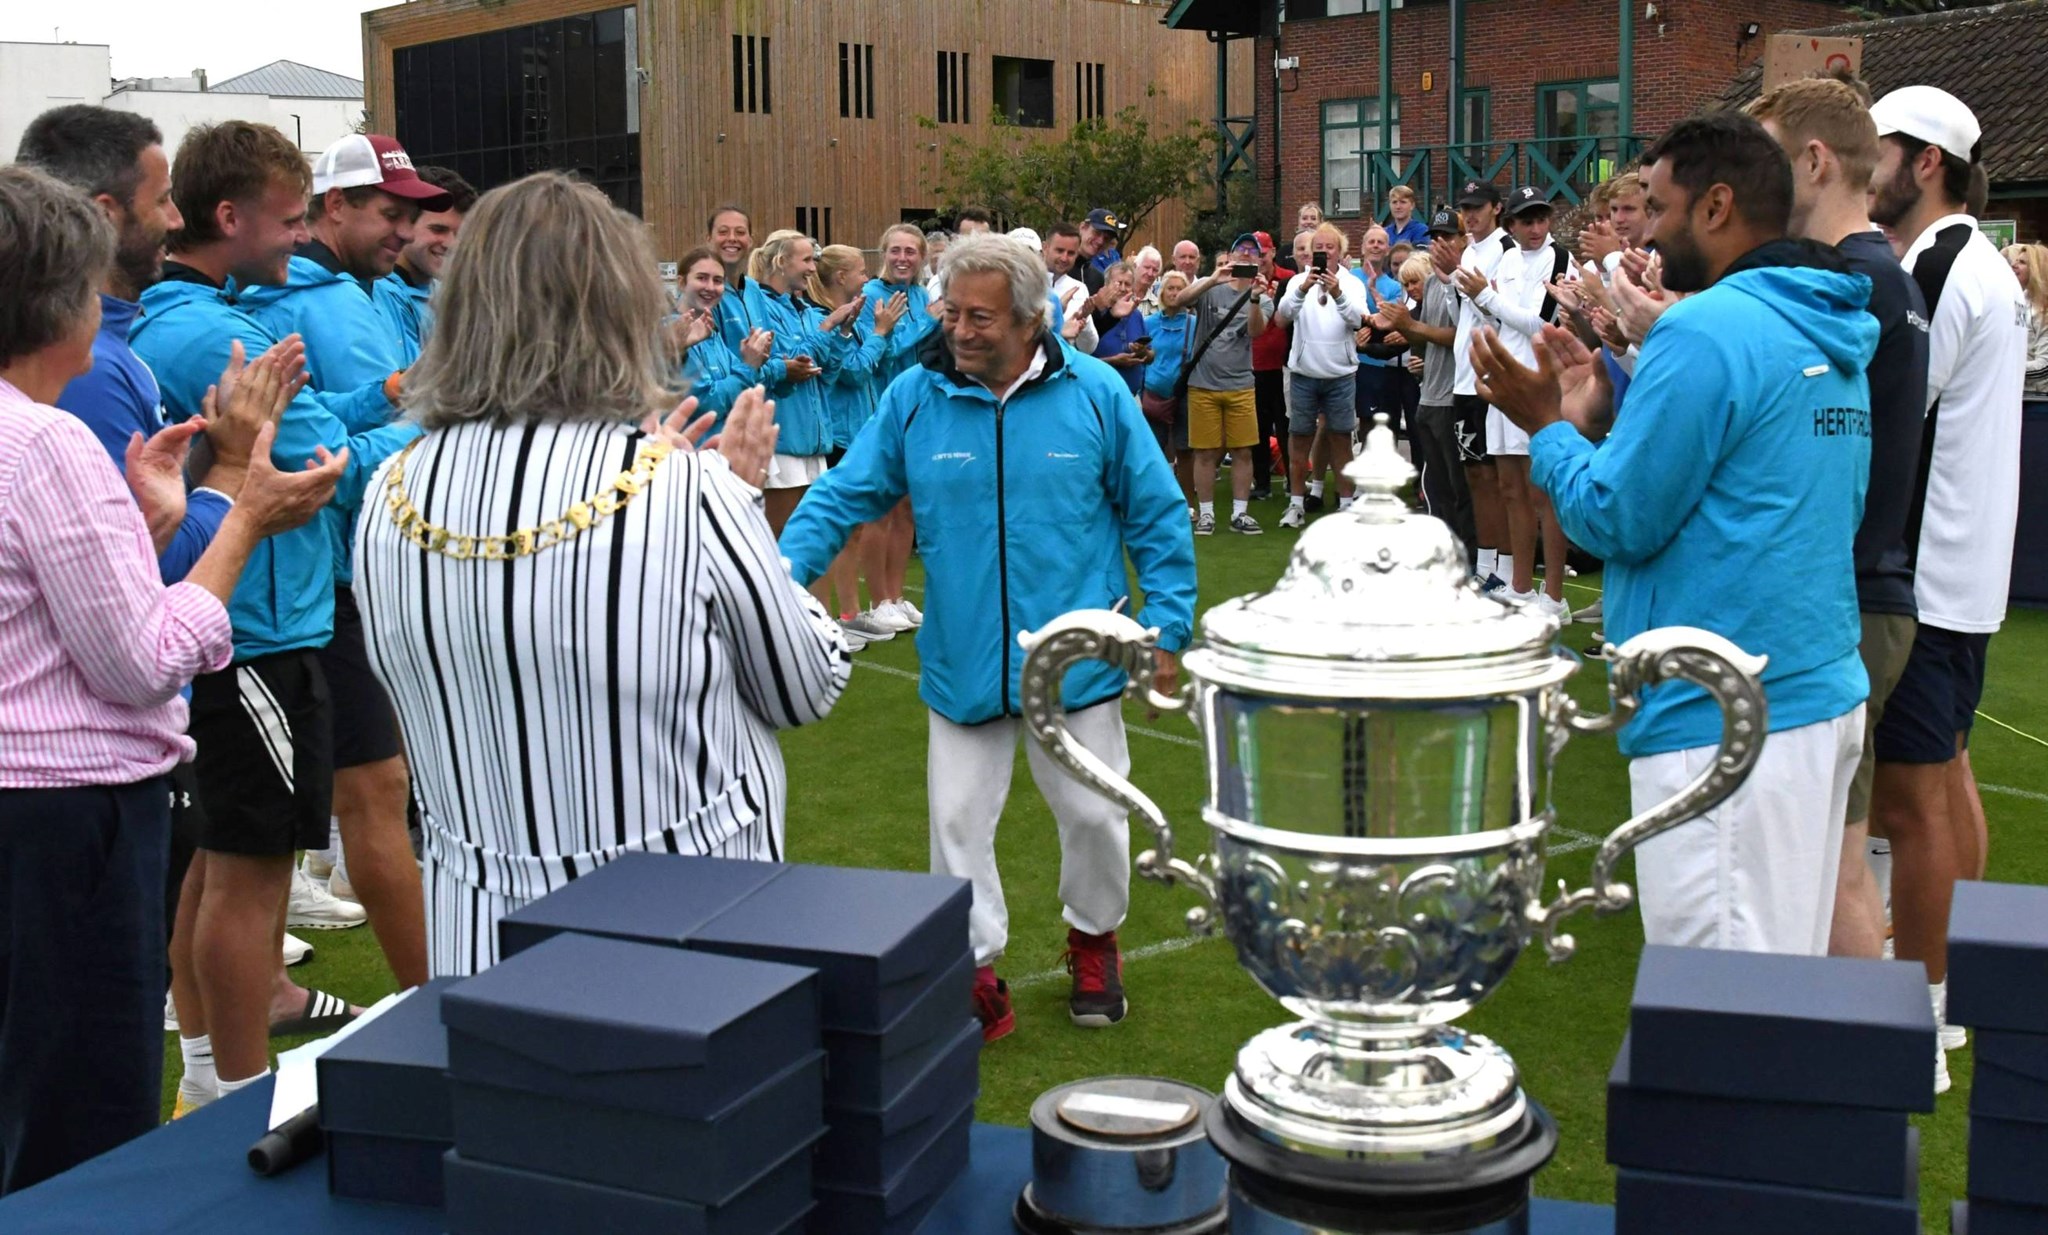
[1541,100]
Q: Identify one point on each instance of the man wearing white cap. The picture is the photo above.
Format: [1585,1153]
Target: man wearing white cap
[1960,527]
[366,198]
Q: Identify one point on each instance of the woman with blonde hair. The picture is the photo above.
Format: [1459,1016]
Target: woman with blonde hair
[854,356]
[782,267]
[584,623]
[886,547]
[2030,265]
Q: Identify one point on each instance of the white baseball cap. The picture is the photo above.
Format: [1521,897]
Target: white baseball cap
[1932,115]
[371,160]
[1024,235]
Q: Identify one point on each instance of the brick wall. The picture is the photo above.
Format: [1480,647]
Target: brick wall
[1511,47]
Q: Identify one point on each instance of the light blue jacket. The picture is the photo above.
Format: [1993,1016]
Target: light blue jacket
[799,406]
[717,376]
[1169,333]
[851,386]
[1728,494]
[1024,511]
[285,599]
[350,344]
[911,329]
[408,309]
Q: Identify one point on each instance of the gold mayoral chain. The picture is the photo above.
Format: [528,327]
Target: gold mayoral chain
[527,541]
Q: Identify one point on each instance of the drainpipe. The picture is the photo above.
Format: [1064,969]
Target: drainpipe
[1625,112]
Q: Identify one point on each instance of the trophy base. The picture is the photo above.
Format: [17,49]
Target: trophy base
[1275,1191]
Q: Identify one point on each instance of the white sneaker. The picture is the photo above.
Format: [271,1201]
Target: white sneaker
[296,950]
[911,612]
[312,907]
[340,888]
[319,863]
[1205,525]
[889,616]
[1953,1037]
[855,640]
[868,627]
[171,1011]
[1294,517]
[1555,608]
[1513,597]
[1591,614]
[1942,1083]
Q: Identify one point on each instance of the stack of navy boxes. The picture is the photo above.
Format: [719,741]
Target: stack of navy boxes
[603,1085]
[895,975]
[1760,1093]
[384,1104]
[1998,986]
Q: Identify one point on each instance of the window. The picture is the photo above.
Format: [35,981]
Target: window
[750,74]
[1351,136]
[1089,91]
[1023,90]
[1475,116]
[954,107]
[815,222]
[1297,10]
[1578,109]
[557,94]
[857,81]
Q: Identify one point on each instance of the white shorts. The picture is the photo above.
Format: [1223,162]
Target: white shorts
[794,471]
[1502,437]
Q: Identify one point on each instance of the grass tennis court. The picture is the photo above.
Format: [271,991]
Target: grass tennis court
[857,793]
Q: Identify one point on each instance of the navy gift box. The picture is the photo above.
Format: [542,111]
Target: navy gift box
[384,1103]
[1998,957]
[1837,1148]
[646,897]
[631,1025]
[1820,1030]
[906,1200]
[486,1199]
[2011,1076]
[706,1161]
[865,1147]
[2009,1161]
[871,1070]
[1981,1217]
[1655,1203]
[876,938]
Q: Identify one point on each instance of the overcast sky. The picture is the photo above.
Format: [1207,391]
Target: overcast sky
[169,38]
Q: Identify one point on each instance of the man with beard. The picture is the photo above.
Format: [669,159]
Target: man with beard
[1726,496]
[1960,528]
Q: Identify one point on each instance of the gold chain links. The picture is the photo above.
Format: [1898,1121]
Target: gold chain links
[527,541]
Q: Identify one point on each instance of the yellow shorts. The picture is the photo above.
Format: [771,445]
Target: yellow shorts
[1222,419]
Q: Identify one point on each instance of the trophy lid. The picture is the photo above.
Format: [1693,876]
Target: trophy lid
[1377,602]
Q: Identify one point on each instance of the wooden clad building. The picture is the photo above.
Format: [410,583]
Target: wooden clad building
[805,111]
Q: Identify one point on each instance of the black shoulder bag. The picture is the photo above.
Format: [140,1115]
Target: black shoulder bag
[1180,387]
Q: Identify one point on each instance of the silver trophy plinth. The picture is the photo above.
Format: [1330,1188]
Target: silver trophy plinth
[1379,738]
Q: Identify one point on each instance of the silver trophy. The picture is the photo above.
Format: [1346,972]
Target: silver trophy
[1379,739]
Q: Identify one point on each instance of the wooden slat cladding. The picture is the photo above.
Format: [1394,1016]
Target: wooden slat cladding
[697,152]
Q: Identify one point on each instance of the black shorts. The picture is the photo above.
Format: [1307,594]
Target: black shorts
[265,767]
[1936,698]
[833,456]
[365,727]
[1471,428]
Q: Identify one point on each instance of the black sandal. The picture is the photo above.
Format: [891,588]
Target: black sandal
[323,1013]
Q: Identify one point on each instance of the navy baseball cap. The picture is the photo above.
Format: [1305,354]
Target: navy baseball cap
[1103,221]
[1445,223]
[1478,193]
[1525,200]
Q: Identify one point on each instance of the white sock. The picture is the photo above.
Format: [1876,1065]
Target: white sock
[1938,992]
[1486,563]
[1237,507]
[1294,501]
[1504,566]
[1315,488]
[1208,510]
[200,1084]
[227,1086]
[1344,503]
[1879,853]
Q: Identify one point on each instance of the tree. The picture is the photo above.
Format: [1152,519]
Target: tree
[1118,163]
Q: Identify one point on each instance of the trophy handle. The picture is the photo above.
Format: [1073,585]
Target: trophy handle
[1108,636]
[1729,674]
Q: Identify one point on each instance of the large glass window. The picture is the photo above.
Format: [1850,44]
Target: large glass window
[1351,136]
[561,94]
[1475,117]
[1024,90]
[1578,109]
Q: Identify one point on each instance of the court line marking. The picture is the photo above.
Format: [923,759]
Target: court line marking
[1164,946]
[2011,792]
[2012,729]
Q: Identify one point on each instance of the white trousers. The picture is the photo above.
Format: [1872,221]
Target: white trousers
[968,778]
[1756,873]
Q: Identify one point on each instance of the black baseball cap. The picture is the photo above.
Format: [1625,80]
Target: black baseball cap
[1527,199]
[1478,193]
[1445,223]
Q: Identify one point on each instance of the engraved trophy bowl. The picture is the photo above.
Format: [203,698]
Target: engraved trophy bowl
[1378,736]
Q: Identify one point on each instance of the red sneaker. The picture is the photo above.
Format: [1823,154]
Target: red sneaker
[1098,969]
[992,1004]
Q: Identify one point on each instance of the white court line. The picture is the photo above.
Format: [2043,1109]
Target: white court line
[1161,948]
[2011,792]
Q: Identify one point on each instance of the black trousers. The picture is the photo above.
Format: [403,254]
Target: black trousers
[1269,396]
[81,972]
[1445,492]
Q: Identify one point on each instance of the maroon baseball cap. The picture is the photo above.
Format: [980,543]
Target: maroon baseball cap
[372,160]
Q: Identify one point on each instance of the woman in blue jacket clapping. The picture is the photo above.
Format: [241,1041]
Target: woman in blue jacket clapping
[781,268]
[1169,329]
[714,373]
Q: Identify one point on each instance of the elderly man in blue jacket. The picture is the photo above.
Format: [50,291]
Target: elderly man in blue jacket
[1031,473]
[1726,496]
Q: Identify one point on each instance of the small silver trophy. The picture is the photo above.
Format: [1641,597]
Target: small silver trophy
[1379,736]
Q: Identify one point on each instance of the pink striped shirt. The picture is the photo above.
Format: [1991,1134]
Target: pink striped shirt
[94,649]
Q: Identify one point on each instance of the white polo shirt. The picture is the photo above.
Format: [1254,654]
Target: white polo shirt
[1976,370]
[1483,256]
